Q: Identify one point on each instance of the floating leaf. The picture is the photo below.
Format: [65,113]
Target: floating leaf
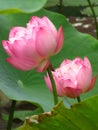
[23,6]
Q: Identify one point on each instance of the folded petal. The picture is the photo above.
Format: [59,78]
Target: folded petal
[17,32]
[60,40]
[65,62]
[59,88]
[93,81]
[45,43]
[5,44]
[84,78]
[17,48]
[50,26]
[72,92]
[22,64]
[43,66]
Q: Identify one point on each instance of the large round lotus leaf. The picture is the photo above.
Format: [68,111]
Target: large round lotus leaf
[30,85]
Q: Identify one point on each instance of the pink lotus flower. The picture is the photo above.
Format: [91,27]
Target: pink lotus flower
[72,78]
[32,46]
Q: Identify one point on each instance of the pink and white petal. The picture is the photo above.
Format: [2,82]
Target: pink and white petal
[48,82]
[25,49]
[22,49]
[22,64]
[66,61]
[6,46]
[59,88]
[87,63]
[50,25]
[31,52]
[17,32]
[60,40]
[92,83]
[43,65]
[72,92]
[34,22]
[45,43]
[84,78]
[17,48]
[78,61]
[69,81]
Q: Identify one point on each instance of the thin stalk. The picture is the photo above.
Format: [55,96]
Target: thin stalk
[78,99]
[53,85]
[61,5]
[11,114]
[94,15]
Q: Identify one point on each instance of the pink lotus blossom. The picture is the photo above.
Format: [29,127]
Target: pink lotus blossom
[72,78]
[32,46]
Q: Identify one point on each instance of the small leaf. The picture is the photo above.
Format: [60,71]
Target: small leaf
[87,11]
[51,3]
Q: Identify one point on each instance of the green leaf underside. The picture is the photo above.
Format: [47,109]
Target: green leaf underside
[80,116]
[23,6]
[30,85]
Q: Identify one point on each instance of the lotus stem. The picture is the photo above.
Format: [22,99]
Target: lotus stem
[78,99]
[53,85]
[11,114]
[94,15]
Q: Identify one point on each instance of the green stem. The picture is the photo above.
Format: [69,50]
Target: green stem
[94,15]
[53,85]
[78,99]
[11,114]
[61,5]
